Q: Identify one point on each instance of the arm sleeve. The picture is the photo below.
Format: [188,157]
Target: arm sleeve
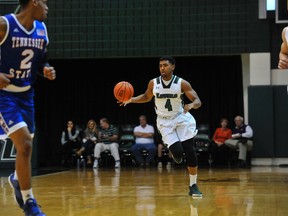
[248,133]
[215,134]
[63,141]
[74,136]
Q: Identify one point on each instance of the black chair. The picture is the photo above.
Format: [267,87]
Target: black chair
[202,144]
[127,139]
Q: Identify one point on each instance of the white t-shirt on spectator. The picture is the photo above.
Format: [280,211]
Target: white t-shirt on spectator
[147,129]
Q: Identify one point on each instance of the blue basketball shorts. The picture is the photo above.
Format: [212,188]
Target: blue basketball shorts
[16,111]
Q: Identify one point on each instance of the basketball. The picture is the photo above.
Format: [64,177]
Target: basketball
[123,91]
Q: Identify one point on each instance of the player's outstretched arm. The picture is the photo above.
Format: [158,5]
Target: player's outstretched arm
[283,54]
[142,98]
[191,95]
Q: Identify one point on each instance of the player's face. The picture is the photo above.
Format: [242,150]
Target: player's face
[166,68]
[42,10]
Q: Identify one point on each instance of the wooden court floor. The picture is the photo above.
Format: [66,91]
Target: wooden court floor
[151,191]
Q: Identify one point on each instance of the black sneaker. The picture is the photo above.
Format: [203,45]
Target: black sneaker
[31,208]
[16,188]
[194,192]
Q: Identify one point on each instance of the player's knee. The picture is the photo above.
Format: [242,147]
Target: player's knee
[188,144]
[191,160]
[177,150]
[25,149]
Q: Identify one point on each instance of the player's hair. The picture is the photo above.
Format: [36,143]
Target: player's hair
[23,2]
[168,58]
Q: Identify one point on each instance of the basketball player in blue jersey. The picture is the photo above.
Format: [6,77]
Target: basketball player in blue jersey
[23,41]
[176,125]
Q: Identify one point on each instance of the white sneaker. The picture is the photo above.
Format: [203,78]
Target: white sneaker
[117,164]
[159,164]
[168,165]
[95,164]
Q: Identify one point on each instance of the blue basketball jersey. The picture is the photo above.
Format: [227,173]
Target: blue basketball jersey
[21,54]
[24,51]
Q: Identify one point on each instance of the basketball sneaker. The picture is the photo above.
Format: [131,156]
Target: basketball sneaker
[95,164]
[31,208]
[117,164]
[194,192]
[16,188]
[168,165]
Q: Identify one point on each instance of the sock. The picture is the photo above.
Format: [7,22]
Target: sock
[193,179]
[193,210]
[15,175]
[26,194]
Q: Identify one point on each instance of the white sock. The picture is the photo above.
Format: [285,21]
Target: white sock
[15,175]
[193,211]
[193,179]
[26,194]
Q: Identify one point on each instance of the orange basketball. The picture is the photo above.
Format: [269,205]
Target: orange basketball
[123,91]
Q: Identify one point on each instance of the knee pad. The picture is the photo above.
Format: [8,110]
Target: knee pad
[190,154]
[177,151]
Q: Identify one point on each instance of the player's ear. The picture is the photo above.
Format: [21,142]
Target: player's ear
[35,2]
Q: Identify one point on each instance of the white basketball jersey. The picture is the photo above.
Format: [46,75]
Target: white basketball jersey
[168,99]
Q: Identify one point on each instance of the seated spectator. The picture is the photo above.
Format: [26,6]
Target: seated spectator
[108,140]
[219,150]
[70,143]
[160,156]
[241,139]
[144,140]
[90,137]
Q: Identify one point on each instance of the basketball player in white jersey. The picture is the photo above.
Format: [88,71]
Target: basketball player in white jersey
[176,125]
[283,55]
[23,41]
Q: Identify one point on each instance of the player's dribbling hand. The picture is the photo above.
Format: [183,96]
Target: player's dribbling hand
[124,103]
[49,73]
[5,80]
[187,107]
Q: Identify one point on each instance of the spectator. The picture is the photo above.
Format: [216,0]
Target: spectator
[89,140]
[219,150]
[108,140]
[144,134]
[70,142]
[241,139]
[160,154]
